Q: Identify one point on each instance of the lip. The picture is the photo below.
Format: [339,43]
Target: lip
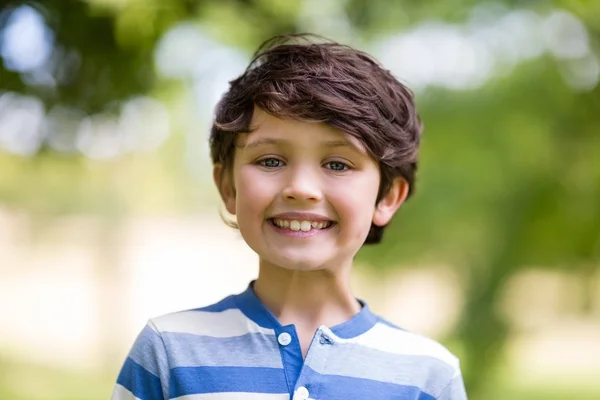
[301,216]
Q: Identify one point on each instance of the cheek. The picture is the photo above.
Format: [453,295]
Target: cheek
[251,184]
[356,199]
[253,195]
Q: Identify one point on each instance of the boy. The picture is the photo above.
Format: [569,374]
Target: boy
[314,149]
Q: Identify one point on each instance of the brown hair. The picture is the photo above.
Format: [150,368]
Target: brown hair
[297,77]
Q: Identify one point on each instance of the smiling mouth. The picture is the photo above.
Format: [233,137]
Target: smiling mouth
[298,225]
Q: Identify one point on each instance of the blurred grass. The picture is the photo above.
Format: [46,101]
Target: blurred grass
[548,393]
[21,381]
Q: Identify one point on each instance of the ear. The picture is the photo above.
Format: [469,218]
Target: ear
[390,202]
[224,181]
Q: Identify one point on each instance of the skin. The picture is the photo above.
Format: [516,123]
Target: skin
[287,167]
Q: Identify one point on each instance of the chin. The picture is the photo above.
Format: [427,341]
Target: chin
[298,263]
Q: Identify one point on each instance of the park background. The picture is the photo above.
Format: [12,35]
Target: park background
[108,215]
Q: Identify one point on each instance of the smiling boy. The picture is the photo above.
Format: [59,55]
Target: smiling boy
[314,149]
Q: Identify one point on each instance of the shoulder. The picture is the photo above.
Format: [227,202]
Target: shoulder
[393,341]
[221,319]
[410,359]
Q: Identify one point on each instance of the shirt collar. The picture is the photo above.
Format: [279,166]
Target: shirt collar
[254,309]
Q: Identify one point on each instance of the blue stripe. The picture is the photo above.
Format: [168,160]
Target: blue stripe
[366,363]
[343,387]
[195,380]
[249,350]
[148,351]
[139,381]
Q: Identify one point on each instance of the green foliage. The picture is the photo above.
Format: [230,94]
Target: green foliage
[479,148]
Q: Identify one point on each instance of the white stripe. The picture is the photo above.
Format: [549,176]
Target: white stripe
[120,393]
[222,324]
[236,396]
[396,341]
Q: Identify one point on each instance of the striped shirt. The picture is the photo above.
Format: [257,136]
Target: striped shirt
[237,349]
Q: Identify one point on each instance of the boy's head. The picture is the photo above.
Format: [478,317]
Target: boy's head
[303,83]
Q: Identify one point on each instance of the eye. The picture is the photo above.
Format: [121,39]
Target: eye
[271,162]
[337,166]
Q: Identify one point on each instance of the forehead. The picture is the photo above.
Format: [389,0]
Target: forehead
[267,129]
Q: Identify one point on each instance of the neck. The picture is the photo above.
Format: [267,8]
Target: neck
[307,299]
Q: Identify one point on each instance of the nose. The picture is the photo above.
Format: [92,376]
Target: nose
[302,185]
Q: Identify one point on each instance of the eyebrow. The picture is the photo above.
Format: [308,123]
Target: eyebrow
[283,142]
[264,141]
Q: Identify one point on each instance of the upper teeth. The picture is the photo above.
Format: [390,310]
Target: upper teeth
[296,225]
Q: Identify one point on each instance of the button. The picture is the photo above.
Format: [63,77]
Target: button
[301,393]
[324,339]
[284,339]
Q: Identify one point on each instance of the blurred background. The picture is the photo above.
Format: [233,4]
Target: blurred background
[108,215]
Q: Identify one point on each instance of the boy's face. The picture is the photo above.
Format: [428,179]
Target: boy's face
[304,193]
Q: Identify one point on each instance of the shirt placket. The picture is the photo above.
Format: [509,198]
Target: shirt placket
[308,383]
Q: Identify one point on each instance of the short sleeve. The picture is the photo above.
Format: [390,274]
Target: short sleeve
[145,373]
[455,389]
